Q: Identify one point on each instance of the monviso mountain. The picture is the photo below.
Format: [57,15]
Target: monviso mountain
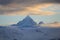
[26,22]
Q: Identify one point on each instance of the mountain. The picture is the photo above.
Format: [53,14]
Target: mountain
[41,22]
[26,22]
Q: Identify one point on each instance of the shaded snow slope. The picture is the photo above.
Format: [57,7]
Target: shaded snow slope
[14,33]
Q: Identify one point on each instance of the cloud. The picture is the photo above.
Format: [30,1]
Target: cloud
[27,7]
[53,8]
[6,2]
[10,23]
[55,25]
[23,10]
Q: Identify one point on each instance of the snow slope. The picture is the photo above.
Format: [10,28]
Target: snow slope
[39,33]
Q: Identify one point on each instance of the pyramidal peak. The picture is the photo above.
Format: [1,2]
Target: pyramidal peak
[26,22]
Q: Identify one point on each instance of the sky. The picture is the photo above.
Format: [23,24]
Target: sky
[13,11]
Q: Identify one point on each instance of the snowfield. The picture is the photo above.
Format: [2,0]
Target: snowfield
[38,33]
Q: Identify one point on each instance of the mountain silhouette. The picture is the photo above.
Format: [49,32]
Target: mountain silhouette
[26,22]
[41,22]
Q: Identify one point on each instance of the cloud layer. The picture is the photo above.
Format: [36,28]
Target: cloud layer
[6,2]
[27,7]
[55,25]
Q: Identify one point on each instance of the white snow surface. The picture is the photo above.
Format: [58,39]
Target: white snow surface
[37,33]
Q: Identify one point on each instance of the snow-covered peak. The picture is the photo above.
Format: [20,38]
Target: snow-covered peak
[26,22]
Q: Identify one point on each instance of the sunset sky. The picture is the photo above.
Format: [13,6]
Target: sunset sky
[13,11]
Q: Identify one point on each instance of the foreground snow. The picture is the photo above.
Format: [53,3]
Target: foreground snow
[39,33]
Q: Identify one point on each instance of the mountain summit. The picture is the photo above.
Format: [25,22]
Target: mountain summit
[26,22]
